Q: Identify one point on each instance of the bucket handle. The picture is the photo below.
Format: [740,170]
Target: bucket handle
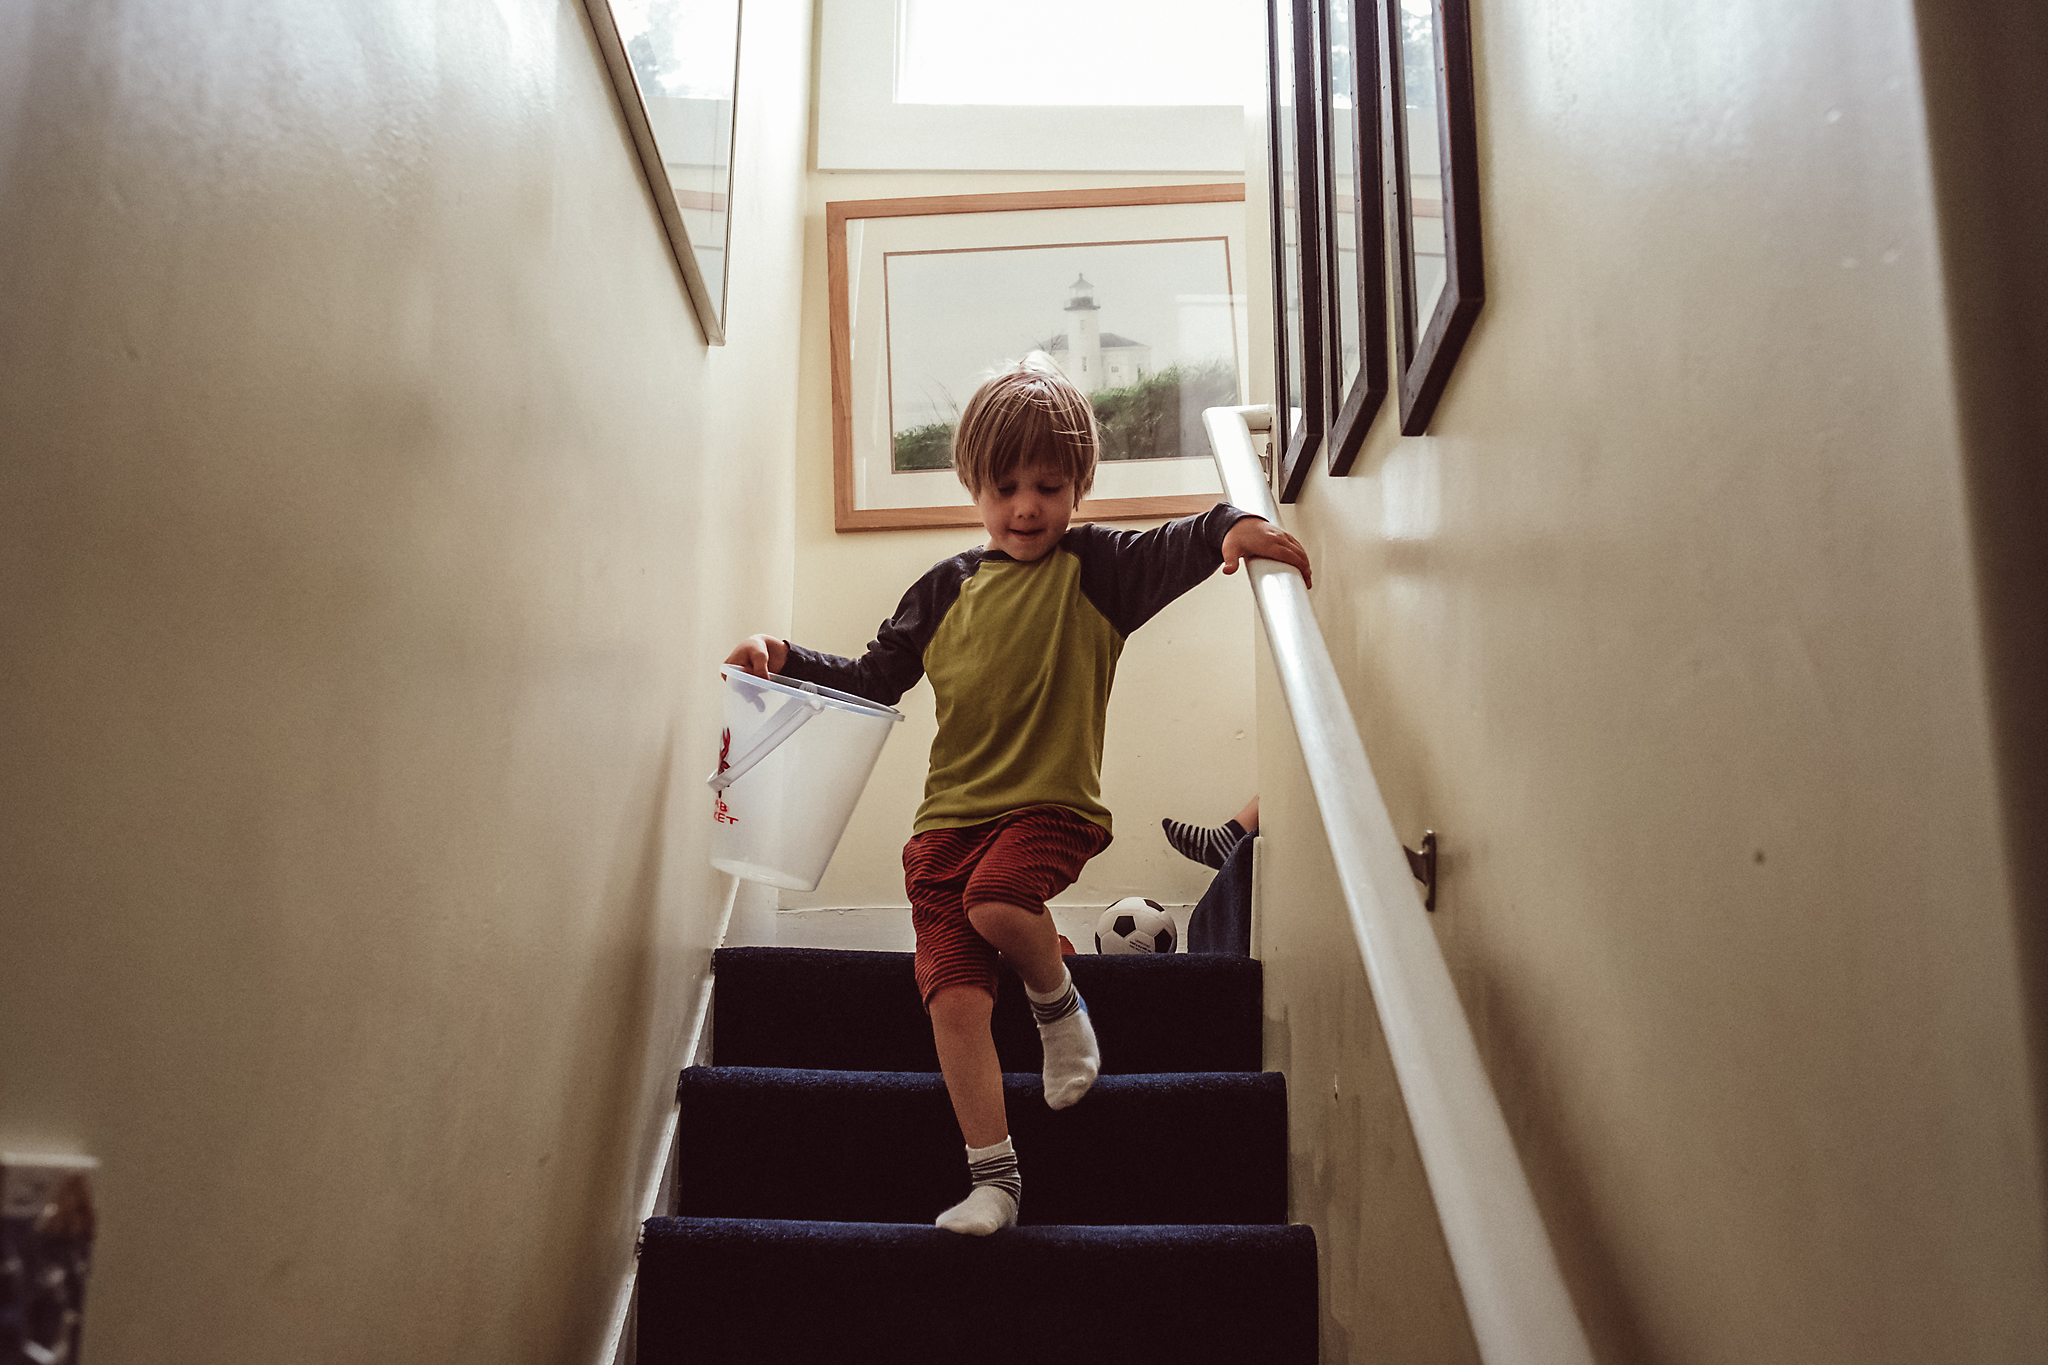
[791,718]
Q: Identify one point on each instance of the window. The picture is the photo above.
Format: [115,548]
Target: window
[1079,85]
[1102,52]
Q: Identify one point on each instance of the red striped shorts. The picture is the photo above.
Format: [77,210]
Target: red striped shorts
[1025,858]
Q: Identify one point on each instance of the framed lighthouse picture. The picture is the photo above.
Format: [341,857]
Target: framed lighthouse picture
[1136,295]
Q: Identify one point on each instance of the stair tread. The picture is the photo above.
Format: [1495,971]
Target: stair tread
[839,1079]
[1178,1148]
[857,1010]
[1019,1240]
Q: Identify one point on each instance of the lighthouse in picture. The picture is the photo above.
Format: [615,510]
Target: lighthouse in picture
[1083,352]
[1092,358]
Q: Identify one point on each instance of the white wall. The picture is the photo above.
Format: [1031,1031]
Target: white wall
[1181,739]
[372,517]
[1671,629]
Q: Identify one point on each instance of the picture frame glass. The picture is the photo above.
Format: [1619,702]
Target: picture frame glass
[1345,95]
[1141,306]
[1423,259]
[1289,196]
[684,56]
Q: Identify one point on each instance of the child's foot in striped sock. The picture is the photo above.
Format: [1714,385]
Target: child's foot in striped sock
[1206,846]
[1071,1057]
[998,1192]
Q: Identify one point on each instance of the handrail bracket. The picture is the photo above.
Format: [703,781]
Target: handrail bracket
[1422,862]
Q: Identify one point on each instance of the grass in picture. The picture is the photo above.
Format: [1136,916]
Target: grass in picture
[1157,418]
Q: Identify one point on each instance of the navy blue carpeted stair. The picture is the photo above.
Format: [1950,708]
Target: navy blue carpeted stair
[846,1011]
[813,1157]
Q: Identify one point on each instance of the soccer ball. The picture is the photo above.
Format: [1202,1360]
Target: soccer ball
[1135,925]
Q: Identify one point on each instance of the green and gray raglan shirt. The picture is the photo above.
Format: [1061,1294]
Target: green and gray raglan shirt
[1021,657]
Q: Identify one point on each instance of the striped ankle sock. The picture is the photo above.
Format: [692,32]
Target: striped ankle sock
[1206,846]
[997,1194]
[1072,1059]
[1062,1002]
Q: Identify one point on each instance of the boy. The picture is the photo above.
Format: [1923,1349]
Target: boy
[1020,639]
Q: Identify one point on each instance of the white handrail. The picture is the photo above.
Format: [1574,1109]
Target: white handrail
[1521,1312]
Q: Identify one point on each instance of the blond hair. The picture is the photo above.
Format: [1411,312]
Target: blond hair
[1028,415]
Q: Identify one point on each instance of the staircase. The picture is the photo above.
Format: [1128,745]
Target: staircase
[814,1155]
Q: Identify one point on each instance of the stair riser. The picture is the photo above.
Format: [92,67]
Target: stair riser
[712,1293]
[884,1147]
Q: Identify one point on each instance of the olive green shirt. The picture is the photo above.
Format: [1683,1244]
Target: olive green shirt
[1021,657]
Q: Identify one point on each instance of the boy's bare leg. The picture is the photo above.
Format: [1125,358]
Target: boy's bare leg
[967,1056]
[1029,941]
[974,1081]
[1026,938]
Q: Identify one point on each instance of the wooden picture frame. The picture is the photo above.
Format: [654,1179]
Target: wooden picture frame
[1429,124]
[676,73]
[1295,147]
[930,295]
[1356,258]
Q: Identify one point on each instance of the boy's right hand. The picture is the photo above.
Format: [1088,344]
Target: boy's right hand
[760,655]
[1253,537]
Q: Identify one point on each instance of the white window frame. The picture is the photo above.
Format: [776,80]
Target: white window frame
[862,128]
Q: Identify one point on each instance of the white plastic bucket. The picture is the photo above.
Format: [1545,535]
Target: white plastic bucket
[791,763]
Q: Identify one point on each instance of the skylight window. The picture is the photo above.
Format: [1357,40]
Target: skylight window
[1078,52]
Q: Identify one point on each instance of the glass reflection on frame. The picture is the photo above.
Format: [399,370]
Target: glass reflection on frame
[1432,174]
[675,64]
[1425,259]
[1357,251]
[1293,111]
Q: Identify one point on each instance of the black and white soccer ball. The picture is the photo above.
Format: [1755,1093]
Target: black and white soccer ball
[1136,925]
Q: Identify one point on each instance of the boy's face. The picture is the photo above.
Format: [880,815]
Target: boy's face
[1026,511]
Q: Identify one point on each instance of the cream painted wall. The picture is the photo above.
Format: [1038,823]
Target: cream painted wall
[1180,720]
[1669,628]
[371,515]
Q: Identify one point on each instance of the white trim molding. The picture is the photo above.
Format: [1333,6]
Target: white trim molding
[658,1183]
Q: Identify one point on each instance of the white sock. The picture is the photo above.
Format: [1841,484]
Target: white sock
[998,1189]
[1072,1059]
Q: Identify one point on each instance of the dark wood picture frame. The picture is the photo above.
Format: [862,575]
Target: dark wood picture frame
[1426,347]
[1348,35]
[1294,149]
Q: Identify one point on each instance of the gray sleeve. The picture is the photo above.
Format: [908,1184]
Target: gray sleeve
[1130,576]
[894,660]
